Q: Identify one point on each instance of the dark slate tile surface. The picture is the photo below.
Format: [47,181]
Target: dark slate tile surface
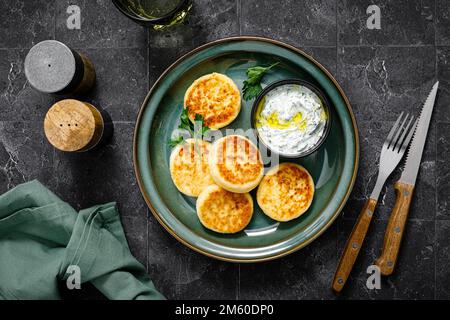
[383,81]
[181,273]
[382,71]
[208,21]
[135,227]
[326,57]
[18,100]
[304,23]
[442,260]
[121,83]
[306,274]
[414,275]
[443,167]
[442,22]
[102,175]
[24,23]
[404,22]
[102,26]
[443,73]
[24,155]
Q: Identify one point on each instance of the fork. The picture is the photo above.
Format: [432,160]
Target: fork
[392,152]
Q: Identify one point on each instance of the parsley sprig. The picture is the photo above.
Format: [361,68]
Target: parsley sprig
[252,86]
[196,130]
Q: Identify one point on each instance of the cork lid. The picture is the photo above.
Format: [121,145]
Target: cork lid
[50,66]
[70,125]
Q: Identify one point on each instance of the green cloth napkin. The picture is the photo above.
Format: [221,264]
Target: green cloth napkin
[41,236]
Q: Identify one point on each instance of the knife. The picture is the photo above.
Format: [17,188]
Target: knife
[404,189]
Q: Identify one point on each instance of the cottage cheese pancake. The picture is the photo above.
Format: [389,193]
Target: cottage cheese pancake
[286,192]
[189,167]
[235,164]
[223,211]
[291,119]
[215,97]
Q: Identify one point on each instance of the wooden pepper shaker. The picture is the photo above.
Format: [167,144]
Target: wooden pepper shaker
[52,67]
[74,126]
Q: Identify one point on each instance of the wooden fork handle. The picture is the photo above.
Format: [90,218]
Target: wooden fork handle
[395,228]
[353,245]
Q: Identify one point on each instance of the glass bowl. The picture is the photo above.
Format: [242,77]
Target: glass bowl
[156,16]
[325,105]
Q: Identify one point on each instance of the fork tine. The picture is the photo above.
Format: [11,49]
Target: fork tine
[410,135]
[395,139]
[399,144]
[394,128]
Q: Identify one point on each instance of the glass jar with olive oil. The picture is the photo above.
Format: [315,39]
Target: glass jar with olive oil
[159,14]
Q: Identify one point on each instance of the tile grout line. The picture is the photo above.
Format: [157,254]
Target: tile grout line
[148,58]
[147,209]
[387,219]
[134,122]
[147,256]
[54,19]
[435,157]
[435,258]
[388,45]
[238,288]
[40,120]
[306,46]
[337,255]
[239,15]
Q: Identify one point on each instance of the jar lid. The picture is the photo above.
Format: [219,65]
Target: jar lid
[70,125]
[50,66]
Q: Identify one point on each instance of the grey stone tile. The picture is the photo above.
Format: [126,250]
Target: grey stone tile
[306,274]
[101,175]
[121,84]
[304,23]
[208,20]
[135,227]
[24,155]
[372,135]
[443,171]
[404,22]
[181,273]
[383,81]
[102,26]
[442,22]
[380,82]
[413,277]
[18,100]
[326,56]
[442,260]
[24,23]
[442,107]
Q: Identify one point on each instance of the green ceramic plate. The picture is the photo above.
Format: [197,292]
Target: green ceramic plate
[333,167]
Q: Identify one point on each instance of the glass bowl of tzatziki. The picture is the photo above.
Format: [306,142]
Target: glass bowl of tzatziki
[291,118]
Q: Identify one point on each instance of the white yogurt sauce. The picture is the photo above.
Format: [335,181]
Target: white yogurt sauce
[291,119]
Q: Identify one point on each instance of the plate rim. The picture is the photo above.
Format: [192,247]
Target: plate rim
[283,45]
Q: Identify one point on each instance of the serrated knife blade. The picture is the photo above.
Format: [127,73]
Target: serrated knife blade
[415,151]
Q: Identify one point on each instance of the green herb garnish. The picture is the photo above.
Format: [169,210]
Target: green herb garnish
[252,86]
[196,130]
[185,122]
[202,128]
[176,141]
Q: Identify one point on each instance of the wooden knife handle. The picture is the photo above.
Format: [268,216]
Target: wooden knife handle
[396,227]
[353,245]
